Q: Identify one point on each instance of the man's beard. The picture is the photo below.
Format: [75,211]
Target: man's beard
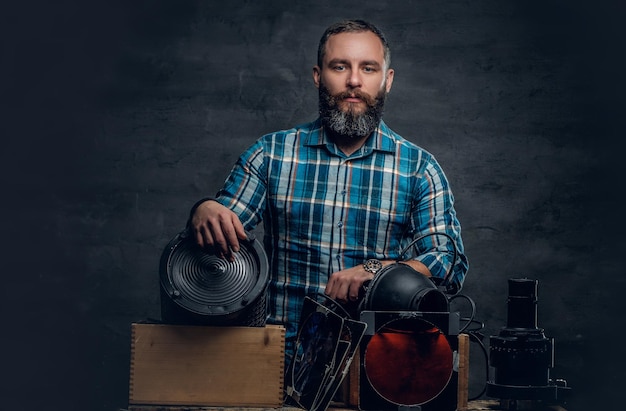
[350,125]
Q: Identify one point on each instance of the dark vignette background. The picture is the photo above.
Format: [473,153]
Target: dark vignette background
[117,116]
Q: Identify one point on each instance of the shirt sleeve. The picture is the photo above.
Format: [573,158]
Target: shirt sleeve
[245,188]
[436,223]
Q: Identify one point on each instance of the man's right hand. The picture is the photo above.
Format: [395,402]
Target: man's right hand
[215,225]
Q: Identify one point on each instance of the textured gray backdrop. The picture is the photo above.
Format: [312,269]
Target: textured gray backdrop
[117,116]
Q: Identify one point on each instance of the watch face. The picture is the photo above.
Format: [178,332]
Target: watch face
[372,266]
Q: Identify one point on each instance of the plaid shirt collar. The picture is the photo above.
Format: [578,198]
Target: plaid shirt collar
[381,139]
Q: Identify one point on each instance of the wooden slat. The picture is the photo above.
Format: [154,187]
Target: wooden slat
[207,366]
[463,385]
[354,375]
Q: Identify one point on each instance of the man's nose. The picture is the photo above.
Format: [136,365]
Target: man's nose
[354,79]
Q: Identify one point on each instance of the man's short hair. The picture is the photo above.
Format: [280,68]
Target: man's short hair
[352,26]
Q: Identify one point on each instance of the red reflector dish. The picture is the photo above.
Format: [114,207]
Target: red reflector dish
[408,361]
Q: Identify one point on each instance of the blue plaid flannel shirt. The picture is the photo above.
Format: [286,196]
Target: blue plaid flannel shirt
[323,211]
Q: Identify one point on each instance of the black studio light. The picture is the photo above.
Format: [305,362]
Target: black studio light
[399,287]
[200,288]
[522,356]
[408,350]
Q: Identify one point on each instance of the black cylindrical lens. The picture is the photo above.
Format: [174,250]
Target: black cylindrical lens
[522,303]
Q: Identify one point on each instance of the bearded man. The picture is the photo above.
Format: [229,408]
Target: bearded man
[340,197]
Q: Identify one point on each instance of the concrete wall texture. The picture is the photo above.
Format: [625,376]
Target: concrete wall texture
[118,116]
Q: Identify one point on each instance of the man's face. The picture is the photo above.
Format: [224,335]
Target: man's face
[353,82]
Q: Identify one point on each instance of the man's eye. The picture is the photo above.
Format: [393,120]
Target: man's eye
[369,69]
[339,68]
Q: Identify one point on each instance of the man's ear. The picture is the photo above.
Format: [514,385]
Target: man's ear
[317,72]
[390,74]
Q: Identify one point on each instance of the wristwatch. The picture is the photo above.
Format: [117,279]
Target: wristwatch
[372,266]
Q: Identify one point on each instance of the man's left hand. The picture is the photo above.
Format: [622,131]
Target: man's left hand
[345,285]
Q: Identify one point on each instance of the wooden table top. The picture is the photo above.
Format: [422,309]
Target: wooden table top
[477,405]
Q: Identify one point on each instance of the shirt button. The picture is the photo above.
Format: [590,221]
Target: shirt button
[340,224]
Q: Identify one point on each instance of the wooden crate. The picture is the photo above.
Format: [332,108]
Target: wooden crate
[207,366]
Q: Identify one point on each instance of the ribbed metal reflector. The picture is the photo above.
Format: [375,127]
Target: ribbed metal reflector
[199,287]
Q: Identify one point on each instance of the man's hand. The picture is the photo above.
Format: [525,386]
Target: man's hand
[217,226]
[345,285]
